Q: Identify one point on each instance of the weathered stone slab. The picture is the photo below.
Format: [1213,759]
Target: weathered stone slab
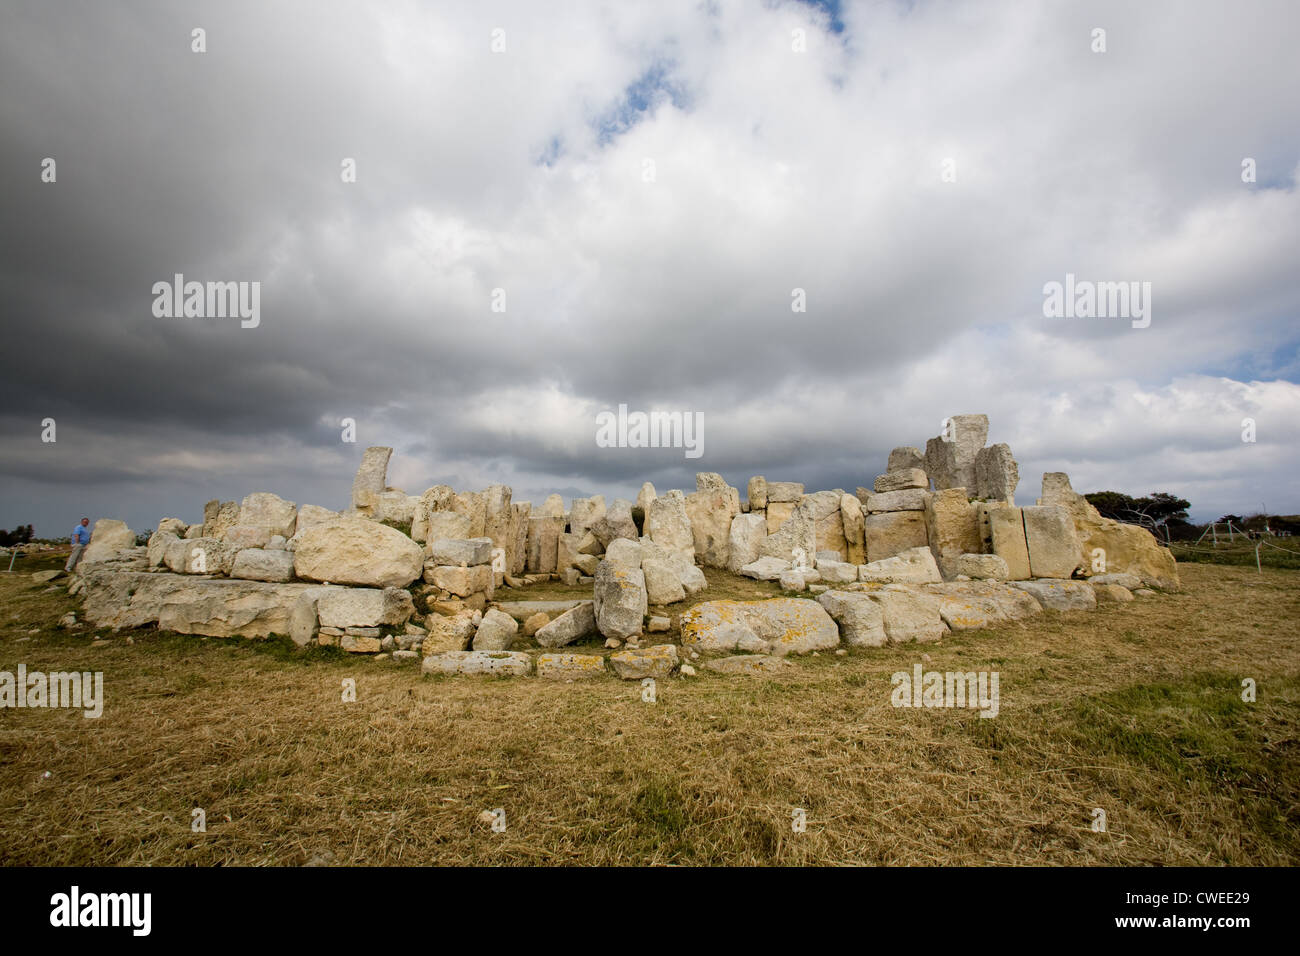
[798,533]
[262,509]
[222,607]
[969,605]
[784,492]
[496,632]
[909,499]
[894,532]
[1007,529]
[981,566]
[745,540]
[950,459]
[364,607]
[575,624]
[488,663]
[646,495]
[855,529]
[908,478]
[585,512]
[452,632]
[256,564]
[778,626]
[544,544]
[200,556]
[765,569]
[904,458]
[668,525]
[357,552]
[662,583]
[836,572]
[913,566]
[951,527]
[625,553]
[224,517]
[616,523]
[996,473]
[434,500]
[620,600]
[861,620]
[778,513]
[1112,594]
[517,551]
[462,582]
[304,618]
[1053,546]
[457,551]
[497,512]
[570,666]
[710,513]
[658,661]
[371,477]
[909,616]
[1058,595]
[246,536]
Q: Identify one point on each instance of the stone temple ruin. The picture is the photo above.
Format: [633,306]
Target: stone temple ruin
[937,543]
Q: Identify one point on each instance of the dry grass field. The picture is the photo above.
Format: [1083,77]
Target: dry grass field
[1135,709]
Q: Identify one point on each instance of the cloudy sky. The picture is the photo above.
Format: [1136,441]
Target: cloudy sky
[647,183]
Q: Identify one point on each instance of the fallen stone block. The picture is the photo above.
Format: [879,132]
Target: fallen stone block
[1112,594]
[575,624]
[1059,595]
[658,661]
[496,632]
[909,616]
[570,666]
[765,569]
[913,566]
[489,663]
[778,626]
[860,619]
[970,605]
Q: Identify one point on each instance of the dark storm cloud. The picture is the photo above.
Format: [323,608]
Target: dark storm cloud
[525,171]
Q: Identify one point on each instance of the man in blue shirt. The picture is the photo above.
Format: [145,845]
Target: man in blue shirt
[80,538]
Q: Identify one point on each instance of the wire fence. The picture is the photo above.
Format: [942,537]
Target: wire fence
[1224,554]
